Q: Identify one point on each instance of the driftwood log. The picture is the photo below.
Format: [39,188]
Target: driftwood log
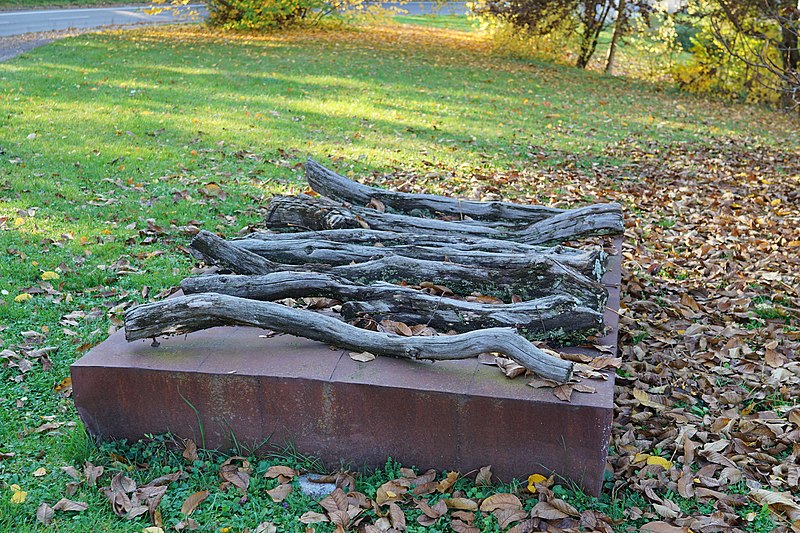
[541,277]
[553,317]
[305,212]
[332,185]
[185,314]
[310,250]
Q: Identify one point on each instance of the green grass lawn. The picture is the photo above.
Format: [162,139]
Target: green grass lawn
[114,145]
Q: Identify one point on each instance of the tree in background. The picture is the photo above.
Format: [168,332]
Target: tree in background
[746,47]
[583,18]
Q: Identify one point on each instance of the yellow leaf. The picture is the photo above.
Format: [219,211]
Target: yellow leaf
[533,479]
[39,472]
[19,495]
[19,221]
[50,275]
[656,460]
[24,297]
[152,529]
[641,457]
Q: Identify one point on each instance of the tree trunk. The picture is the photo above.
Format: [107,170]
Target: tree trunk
[332,185]
[309,213]
[559,318]
[619,28]
[312,250]
[185,314]
[541,277]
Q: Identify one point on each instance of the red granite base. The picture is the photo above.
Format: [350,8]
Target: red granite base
[223,384]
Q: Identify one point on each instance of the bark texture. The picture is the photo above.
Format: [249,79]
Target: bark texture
[186,314]
[311,250]
[554,317]
[305,212]
[332,185]
[540,277]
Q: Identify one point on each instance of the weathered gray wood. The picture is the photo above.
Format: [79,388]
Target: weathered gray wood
[559,318]
[300,251]
[185,314]
[305,212]
[395,238]
[541,277]
[332,185]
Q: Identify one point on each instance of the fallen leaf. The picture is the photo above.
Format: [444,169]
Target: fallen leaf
[39,472]
[484,477]
[44,513]
[17,494]
[500,501]
[50,275]
[312,517]
[190,451]
[533,480]
[276,471]
[463,504]
[193,501]
[447,483]
[362,357]
[279,493]
[662,527]
[68,505]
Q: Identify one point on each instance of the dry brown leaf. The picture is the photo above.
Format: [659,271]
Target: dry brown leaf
[377,205]
[188,524]
[655,401]
[266,527]
[462,504]
[190,451]
[662,527]
[500,501]
[564,392]
[432,511]
[602,362]
[397,517]
[335,501]
[447,483]
[92,473]
[44,513]
[362,357]
[68,505]
[506,517]
[192,501]
[312,517]
[462,527]
[779,502]
[389,492]
[277,471]
[564,507]
[484,477]
[546,511]
[236,471]
[279,493]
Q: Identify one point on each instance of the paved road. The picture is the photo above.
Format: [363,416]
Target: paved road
[19,22]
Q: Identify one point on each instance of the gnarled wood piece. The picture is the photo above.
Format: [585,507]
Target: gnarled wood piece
[541,277]
[185,314]
[332,185]
[554,317]
[305,212]
[394,238]
[300,251]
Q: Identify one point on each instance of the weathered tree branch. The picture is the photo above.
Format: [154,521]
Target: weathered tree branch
[185,314]
[332,185]
[305,212]
[301,251]
[559,318]
[541,277]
